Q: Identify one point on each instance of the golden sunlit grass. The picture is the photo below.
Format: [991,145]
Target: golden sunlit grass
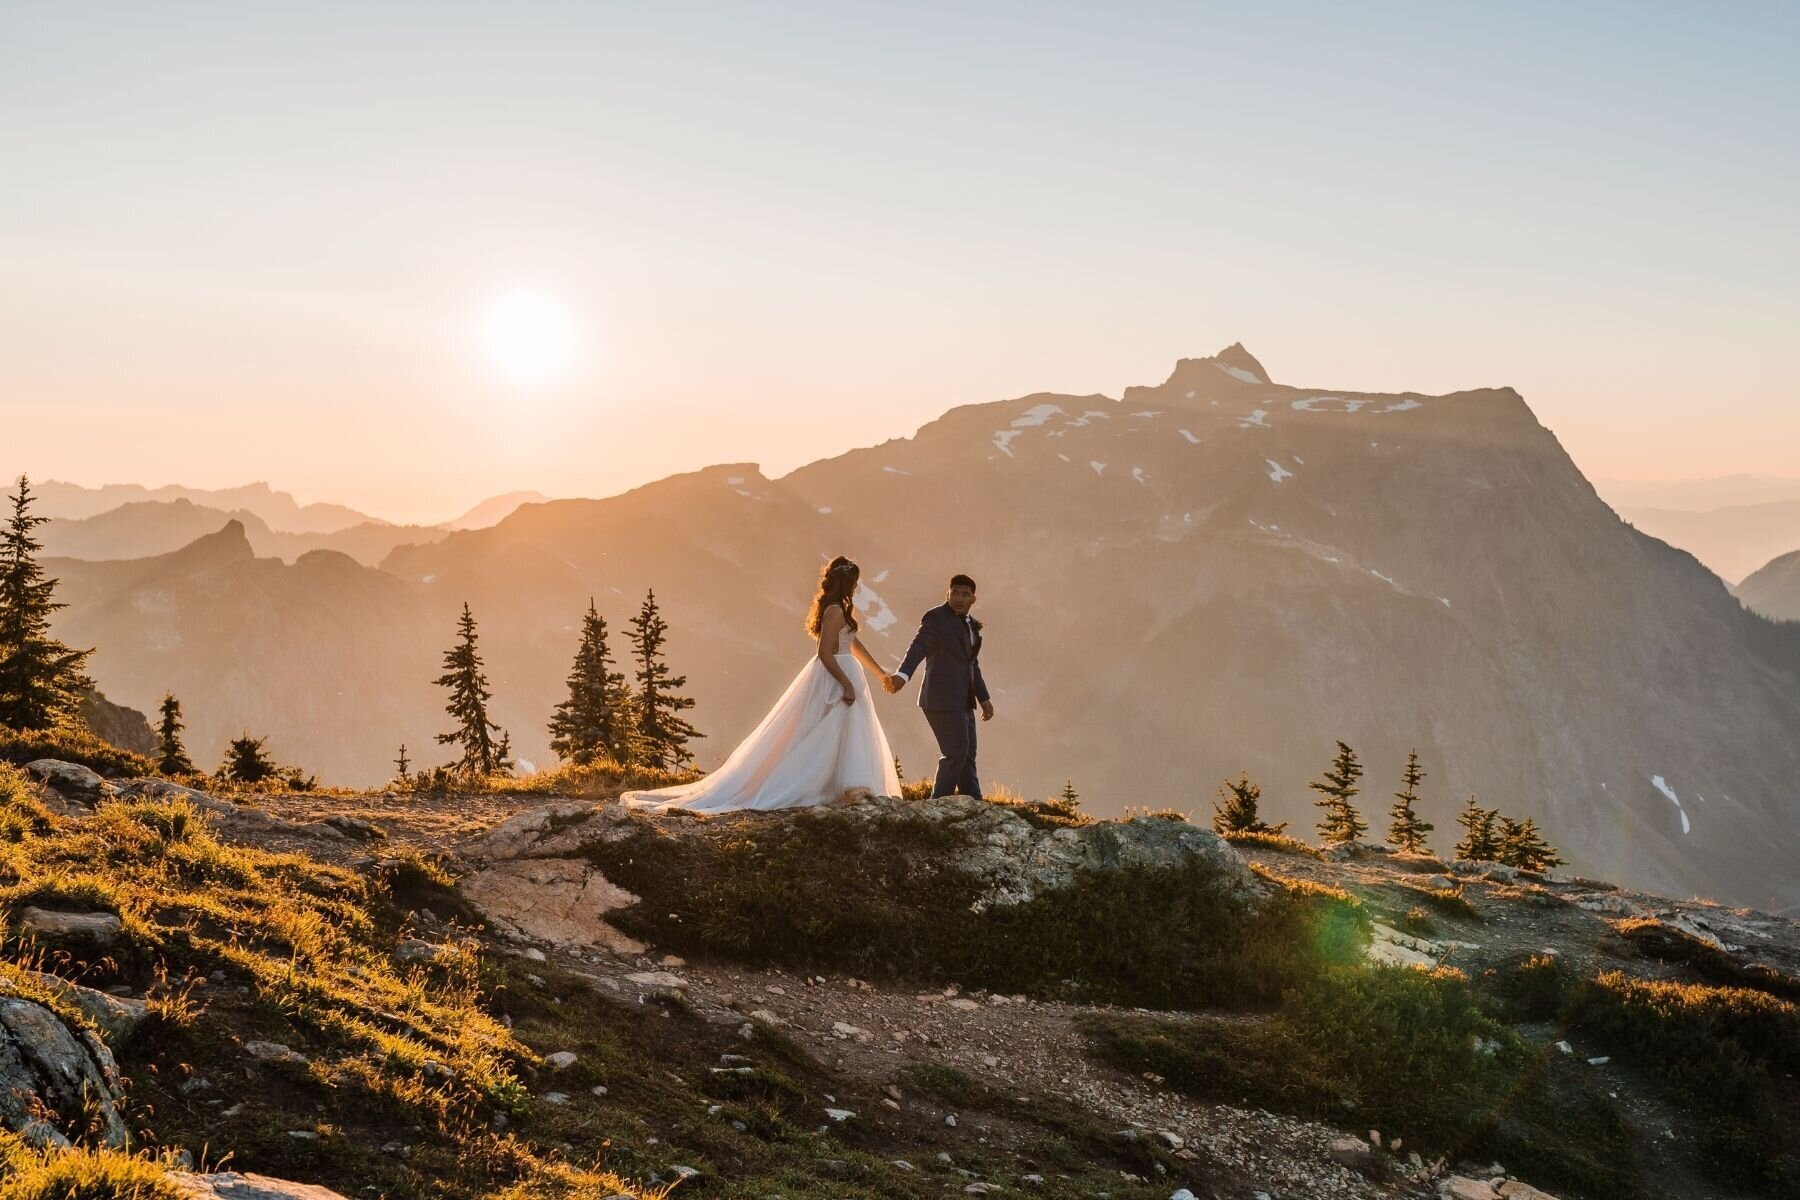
[297,951]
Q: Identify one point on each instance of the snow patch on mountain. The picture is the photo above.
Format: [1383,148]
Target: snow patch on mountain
[1192,440]
[1402,406]
[1137,473]
[1037,415]
[1258,419]
[1238,373]
[1003,439]
[874,611]
[1662,785]
[1277,472]
[1099,467]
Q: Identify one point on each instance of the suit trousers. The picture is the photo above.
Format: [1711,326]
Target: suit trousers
[955,733]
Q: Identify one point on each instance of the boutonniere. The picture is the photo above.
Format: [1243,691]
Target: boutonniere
[975,624]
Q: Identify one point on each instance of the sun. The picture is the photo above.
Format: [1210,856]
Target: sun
[529,338]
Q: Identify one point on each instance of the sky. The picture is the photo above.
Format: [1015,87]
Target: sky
[255,241]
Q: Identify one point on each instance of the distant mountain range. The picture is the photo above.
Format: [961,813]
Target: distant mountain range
[142,528]
[1774,591]
[278,510]
[1212,574]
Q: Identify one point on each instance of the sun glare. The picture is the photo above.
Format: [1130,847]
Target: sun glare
[528,338]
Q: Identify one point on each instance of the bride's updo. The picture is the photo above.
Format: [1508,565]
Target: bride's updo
[836,581]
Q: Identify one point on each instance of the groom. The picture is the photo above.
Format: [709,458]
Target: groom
[949,644]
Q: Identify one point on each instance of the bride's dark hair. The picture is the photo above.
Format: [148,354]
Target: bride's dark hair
[836,581]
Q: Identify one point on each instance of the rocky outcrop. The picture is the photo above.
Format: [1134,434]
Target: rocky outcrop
[100,927]
[533,877]
[69,781]
[229,1185]
[560,901]
[55,1079]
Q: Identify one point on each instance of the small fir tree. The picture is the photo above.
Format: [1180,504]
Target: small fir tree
[1341,822]
[402,764]
[1406,829]
[593,723]
[1069,795]
[171,756]
[247,762]
[1235,809]
[662,733]
[41,679]
[469,696]
[1480,840]
[1522,845]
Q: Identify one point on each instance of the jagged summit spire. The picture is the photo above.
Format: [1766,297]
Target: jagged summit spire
[1235,355]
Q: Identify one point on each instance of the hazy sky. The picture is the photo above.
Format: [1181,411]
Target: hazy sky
[251,241]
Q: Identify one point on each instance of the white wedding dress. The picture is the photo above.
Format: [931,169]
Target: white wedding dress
[810,750]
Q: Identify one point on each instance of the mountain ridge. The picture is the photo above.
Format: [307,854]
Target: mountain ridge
[1202,576]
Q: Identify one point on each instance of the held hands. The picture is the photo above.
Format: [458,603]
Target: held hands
[892,684]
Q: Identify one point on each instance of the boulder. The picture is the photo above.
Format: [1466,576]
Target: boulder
[1512,1189]
[230,1185]
[1461,1187]
[561,901]
[99,928]
[50,1073]
[71,781]
[1351,1152]
[1020,861]
[117,1017]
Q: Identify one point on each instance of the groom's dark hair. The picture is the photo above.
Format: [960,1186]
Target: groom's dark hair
[957,581]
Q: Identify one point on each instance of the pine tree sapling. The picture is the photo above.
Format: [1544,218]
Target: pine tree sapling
[1406,829]
[662,733]
[1480,840]
[1341,822]
[247,762]
[41,679]
[594,723]
[402,764]
[1522,845]
[1235,810]
[171,756]
[469,695]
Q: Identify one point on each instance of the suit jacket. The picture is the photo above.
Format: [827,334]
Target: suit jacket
[951,652]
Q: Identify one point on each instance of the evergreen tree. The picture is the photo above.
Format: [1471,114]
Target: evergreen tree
[41,679]
[247,762]
[1235,811]
[1480,839]
[594,722]
[1523,846]
[1069,795]
[1406,829]
[171,756]
[402,764]
[1341,822]
[469,695]
[503,756]
[662,733]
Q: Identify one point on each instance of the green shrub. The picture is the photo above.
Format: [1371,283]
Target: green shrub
[877,898]
[1398,1048]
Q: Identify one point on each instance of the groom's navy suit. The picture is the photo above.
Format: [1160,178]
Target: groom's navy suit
[950,648]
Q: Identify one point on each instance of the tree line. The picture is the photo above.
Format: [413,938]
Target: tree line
[1489,835]
[604,719]
[633,720]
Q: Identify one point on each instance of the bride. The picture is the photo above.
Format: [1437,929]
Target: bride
[821,742]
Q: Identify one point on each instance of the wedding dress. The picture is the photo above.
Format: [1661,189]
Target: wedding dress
[810,750]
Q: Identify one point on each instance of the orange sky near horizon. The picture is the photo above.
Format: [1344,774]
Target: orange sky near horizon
[241,246]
